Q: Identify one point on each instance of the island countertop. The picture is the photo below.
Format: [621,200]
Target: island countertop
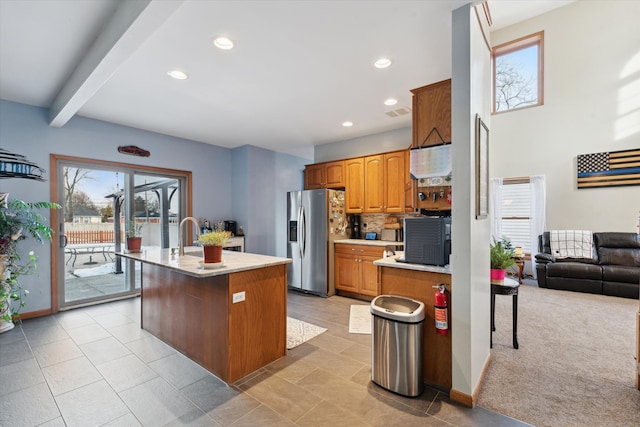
[394,263]
[191,262]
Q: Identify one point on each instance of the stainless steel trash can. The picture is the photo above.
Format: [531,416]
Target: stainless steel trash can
[396,344]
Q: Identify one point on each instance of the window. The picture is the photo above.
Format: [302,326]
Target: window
[516,212]
[518,73]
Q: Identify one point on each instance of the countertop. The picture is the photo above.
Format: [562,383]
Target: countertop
[369,242]
[190,263]
[392,262]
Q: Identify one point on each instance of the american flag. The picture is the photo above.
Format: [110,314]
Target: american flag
[610,169]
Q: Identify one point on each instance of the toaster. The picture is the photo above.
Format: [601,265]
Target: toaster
[391,235]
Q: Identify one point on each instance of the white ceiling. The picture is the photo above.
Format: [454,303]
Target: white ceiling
[299,68]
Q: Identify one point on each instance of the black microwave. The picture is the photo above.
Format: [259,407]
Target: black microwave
[427,240]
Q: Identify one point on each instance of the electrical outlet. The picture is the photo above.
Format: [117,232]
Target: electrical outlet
[238,297]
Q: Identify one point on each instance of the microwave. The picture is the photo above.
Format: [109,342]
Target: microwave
[427,240]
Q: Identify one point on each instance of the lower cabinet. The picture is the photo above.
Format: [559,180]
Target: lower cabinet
[355,271]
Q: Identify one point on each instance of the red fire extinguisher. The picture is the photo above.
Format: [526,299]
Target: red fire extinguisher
[442,313]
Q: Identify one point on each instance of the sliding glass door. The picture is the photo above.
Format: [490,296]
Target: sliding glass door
[100,201]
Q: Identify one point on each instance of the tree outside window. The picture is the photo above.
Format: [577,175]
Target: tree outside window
[518,73]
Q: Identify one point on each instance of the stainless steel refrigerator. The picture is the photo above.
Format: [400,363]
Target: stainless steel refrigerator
[315,219]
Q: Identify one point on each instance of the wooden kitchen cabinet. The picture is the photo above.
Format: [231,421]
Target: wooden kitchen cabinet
[374,183]
[385,178]
[324,175]
[431,109]
[354,185]
[355,272]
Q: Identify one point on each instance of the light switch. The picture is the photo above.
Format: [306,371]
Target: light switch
[238,297]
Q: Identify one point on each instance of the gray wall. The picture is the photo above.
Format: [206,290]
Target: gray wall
[243,185]
[393,140]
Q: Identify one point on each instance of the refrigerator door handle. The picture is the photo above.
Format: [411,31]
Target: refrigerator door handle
[299,237]
[303,245]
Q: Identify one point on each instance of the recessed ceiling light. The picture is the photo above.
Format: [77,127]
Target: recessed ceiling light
[391,101]
[347,124]
[177,74]
[223,43]
[382,63]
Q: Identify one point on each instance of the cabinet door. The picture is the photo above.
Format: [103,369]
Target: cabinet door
[374,183]
[354,185]
[334,174]
[368,275]
[347,272]
[394,182]
[314,177]
[431,109]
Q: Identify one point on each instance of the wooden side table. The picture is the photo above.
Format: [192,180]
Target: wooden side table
[520,263]
[510,287]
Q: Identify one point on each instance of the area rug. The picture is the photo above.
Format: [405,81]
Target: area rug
[360,319]
[575,363]
[299,332]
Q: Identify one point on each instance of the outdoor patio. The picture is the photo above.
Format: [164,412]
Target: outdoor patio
[91,276]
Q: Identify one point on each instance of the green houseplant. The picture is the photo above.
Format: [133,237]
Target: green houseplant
[133,235]
[212,244]
[501,255]
[18,220]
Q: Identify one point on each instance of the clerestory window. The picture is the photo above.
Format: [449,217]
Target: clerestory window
[518,73]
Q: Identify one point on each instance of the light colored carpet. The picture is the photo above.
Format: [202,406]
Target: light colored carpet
[299,332]
[360,319]
[575,364]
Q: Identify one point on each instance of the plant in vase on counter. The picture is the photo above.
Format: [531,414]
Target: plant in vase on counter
[501,254]
[18,220]
[212,244]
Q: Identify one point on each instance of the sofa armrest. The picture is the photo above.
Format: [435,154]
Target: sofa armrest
[545,258]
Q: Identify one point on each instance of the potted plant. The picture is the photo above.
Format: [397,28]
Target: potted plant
[133,235]
[18,220]
[212,244]
[501,255]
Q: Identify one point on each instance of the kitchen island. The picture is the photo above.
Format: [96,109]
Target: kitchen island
[231,319]
[416,281]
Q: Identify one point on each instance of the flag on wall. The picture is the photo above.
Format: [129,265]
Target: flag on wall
[611,169]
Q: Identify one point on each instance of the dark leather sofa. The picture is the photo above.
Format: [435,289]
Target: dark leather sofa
[614,270]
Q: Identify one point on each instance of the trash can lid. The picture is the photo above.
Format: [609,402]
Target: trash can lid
[398,308]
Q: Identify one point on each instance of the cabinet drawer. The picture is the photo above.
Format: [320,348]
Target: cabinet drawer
[368,250]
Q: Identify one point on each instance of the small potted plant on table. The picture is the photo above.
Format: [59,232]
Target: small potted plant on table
[212,244]
[134,236]
[501,254]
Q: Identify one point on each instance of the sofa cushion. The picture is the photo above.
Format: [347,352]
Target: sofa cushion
[574,270]
[618,248]
[620,273]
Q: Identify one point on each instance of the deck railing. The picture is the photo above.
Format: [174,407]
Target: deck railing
[91,236]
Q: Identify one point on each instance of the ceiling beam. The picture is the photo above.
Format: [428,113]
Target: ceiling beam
[131,24]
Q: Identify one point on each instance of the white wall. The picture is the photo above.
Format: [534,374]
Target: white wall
[470,290]
[591,104]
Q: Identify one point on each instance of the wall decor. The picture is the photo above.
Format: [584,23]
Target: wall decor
[609,169]
[482,168]
[17,166]
[133,150]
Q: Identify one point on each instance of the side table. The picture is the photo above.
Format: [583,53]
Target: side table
[520,264]
[509,287]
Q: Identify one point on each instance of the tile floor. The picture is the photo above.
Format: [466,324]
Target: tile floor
[95,366]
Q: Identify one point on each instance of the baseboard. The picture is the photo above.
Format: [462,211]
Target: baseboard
[32,314]
[471,400]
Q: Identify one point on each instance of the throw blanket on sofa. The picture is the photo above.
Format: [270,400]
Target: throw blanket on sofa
[571,243]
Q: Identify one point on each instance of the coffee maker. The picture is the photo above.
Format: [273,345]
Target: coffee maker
[354,226]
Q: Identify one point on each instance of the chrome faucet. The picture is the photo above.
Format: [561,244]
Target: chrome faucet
[180,238]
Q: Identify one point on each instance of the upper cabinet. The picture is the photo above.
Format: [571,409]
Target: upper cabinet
[354,185]
[431,109]
[385,178]
[374,183]
[324,175]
